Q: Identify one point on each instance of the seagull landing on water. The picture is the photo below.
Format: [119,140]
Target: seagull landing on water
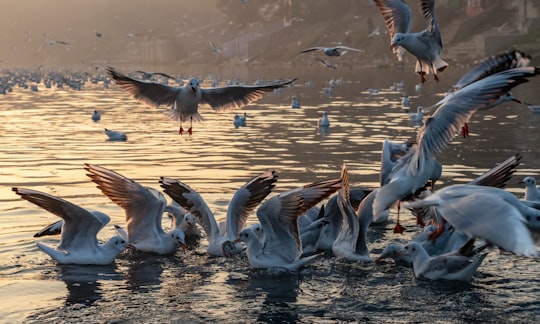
[183,102]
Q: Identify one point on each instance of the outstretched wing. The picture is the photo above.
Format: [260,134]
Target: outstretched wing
[150,93]
[237,96]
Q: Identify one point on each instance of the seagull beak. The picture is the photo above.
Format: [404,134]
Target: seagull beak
[182,246]
[194,89]
[517,100]
[236,241]
[379,259]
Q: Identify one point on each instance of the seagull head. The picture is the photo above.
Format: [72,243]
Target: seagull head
[397,40]
[194,85]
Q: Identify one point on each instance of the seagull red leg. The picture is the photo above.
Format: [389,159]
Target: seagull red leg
[398,228]
[190,131]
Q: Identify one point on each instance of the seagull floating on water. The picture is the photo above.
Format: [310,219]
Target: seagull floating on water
[115,136]
[281,246]
[220,237]
[78,244]
[532,191]
[144,208]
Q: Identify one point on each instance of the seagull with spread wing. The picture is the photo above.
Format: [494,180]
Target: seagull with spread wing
[183,102]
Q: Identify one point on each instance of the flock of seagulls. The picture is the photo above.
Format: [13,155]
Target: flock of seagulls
[465,222]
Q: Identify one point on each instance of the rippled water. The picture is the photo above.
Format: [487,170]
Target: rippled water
[48,135]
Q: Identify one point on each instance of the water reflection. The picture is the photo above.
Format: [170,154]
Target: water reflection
[84,283]
[279,295]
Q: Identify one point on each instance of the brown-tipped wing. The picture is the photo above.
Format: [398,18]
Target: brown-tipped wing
[222,98]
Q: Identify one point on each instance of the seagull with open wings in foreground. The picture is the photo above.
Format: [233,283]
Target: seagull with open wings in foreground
[419,165]
[144,208]
[244,201]
[281,246]
[79,243]
[183,102]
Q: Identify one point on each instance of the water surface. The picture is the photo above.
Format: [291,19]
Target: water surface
[48,135]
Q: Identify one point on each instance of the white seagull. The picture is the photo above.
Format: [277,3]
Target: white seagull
[426,45]
[532,191]
[144,208]
[247,198]
[332,51]
[183,102]
[450,266]
[281,246]
[419,165]
[78,244]
[350,243]
[491,214]
[323,120]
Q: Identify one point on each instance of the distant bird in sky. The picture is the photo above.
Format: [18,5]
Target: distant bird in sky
[327,64]
[183,102]
[332,51]
[215,48]
[426,45]
[50,42]
[372,29]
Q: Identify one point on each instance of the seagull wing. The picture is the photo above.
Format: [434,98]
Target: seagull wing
[80,226]
[246,199]
[149,93]
[222,98]
[193,203]
[492,65]
[143,206]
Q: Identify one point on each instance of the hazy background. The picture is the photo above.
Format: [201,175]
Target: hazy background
[168,32]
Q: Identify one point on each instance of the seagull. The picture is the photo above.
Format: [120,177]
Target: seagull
[215,48]
[426,45]
[149,75]
[406,102]
[144,208]
[183,102]
[327,64]
[532,191]
[417,117]
[295,103]
[349,244]
[96,116]
[115,136]
[419,165]
[445,266]
[51,42]
[487,213]
[390,154]
[247,198]
[487,67]
[498,176]
[372,29]
[332,51]
[240,120]
[281,246]
[324,121]
[78,244]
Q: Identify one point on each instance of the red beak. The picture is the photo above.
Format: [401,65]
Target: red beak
[517,100]
[194,89]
